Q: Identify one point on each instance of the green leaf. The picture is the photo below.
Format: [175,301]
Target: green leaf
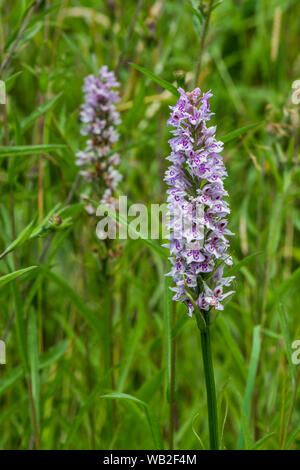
[82,413]
[231,343]
[86,312]
[10,80]
[290,150]
[195,430]
[46,360]
[259,444]
[27,122]
[24,235]
[289,282]
[242,130]
[53,354]
[30,33]
[286,339]
[252,368]
[284,288]
[19,150]
[42,227]
[223,422]
[275,225]
[242,263]
[195,12]
[245,430]
[293,436]
[11,378]
[119,218]
[129,354]
[151,387]
[78,54]
[11,276]
[255,352]
[20,326]
[33,359]
[273,166]
[47,11]
[153,425]
[163,83]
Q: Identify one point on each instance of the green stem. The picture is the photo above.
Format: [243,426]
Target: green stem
[202,40]
[108,344]
[210,387]
[34,416]
[129,33]
[172,384]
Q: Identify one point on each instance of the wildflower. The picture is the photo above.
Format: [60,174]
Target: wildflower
[196,206]
[99,117]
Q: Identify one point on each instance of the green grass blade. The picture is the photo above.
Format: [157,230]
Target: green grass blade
[289,283]
[53,354]
[259,444]
[86,312]
[20,150]
[9,82]
[11,276]
[284,288]
[24,235]
[287,339]
[77,53]
[238,132]
[153,425]
[255,352]
[82,413]
[10,378]
[33,359]
[242,263]
[163,83]
[231,343]
[275,225]
[47,359]
[122,220]
[292,438]
[150,387]
[20,326]
[129,354]
[38,112]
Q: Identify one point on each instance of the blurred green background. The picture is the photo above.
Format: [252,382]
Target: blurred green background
[62,352]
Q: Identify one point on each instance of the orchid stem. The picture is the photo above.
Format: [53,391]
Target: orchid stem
[172,409]
[210,386]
